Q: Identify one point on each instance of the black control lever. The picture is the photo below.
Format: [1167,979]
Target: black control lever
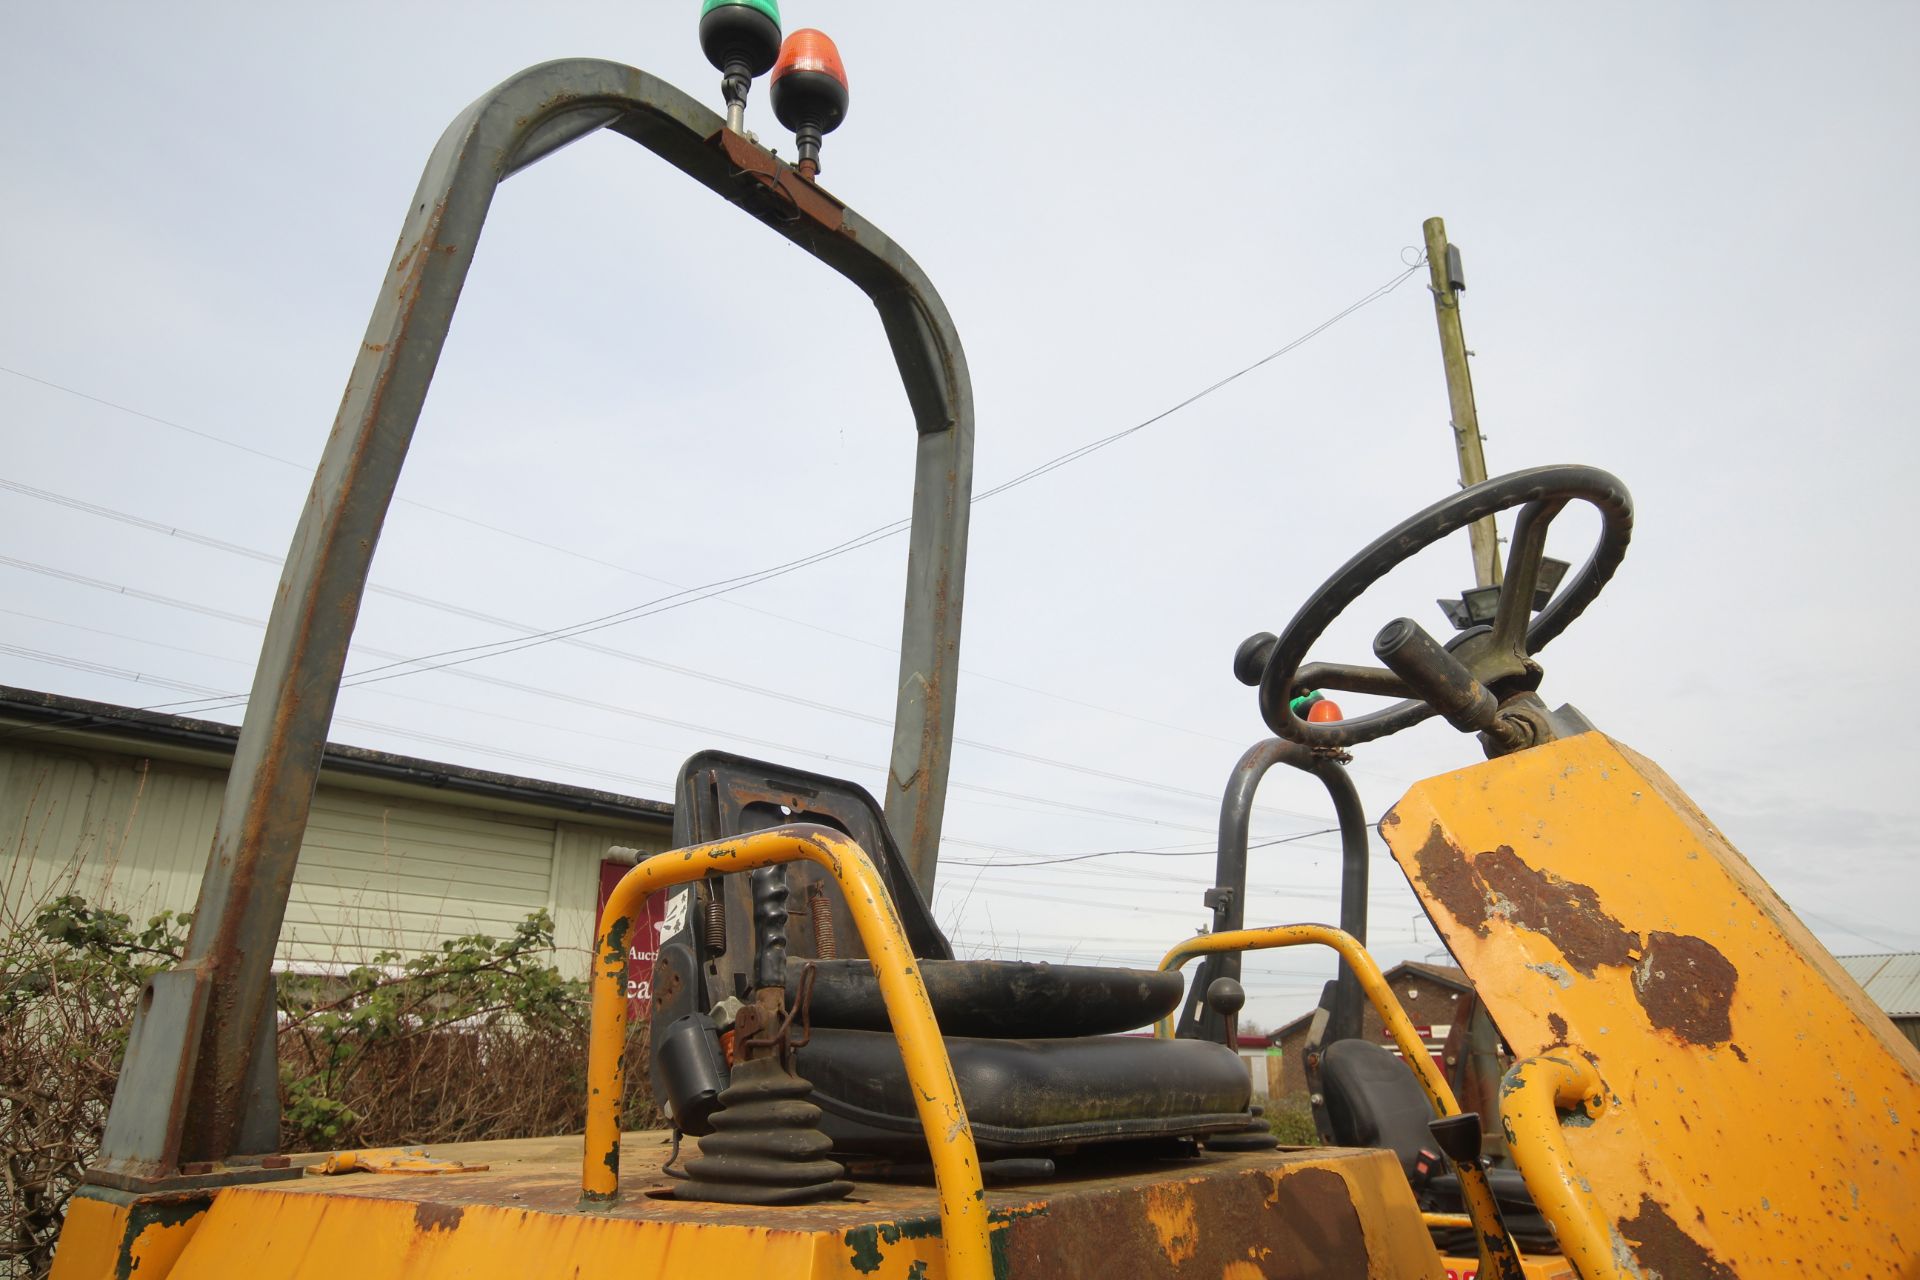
[1444,683]
[770,926]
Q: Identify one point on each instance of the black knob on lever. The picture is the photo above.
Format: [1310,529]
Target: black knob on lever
[1225,996]
[1250,659]
[1443,682]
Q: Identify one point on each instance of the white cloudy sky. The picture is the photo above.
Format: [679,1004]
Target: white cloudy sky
[1688,234]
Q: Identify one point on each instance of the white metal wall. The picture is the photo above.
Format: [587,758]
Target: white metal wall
[377,872]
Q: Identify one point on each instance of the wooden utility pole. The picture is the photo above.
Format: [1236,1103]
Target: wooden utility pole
[1443,266]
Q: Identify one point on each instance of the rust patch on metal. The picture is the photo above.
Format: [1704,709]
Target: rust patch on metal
[1668,1252]
[1558,1025]
[1451,879]
[783,183]
[666,984]
[428,1216]
[1500,883]
[1565,911]
[1285,1223]
[1056,1243]
[1686,987]
[1321,1222]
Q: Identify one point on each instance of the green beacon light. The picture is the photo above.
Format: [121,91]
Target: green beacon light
[1315,708]
[741,38]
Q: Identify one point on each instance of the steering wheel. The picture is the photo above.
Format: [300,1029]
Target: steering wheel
[1499,656]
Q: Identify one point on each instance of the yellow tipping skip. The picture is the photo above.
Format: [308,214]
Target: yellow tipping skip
[1726,1101]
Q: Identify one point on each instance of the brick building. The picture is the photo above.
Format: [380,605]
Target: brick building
[1428,992]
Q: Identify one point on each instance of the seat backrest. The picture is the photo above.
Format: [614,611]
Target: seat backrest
[1373,1100]
[720,795]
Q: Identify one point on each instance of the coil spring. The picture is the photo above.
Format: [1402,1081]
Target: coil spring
[713,921]
[825,946]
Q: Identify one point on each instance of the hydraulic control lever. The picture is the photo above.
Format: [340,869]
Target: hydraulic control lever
[1443,682]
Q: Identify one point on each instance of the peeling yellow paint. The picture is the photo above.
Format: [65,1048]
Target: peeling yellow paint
[1718,1030]
[1170,1210]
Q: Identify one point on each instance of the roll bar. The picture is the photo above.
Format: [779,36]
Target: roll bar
[199,1080]
[1228,897]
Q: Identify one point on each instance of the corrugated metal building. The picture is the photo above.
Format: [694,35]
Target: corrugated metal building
[119,805]
[1892,981]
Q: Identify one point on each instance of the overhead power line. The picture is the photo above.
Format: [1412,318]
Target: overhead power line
[1103,812]
[691,595]
[684,595]
[1142,853]
[400,666]
[235,698]
[183,686]
[1023,894]
[1074,455]
[571,552]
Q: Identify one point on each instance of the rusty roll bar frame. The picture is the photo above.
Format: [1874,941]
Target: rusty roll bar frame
[936,1094]
[1228,897]
[1499,1255]
[199,1082]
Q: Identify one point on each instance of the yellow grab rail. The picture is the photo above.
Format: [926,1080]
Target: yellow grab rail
[1532,1096]
[956,1164]
[1378,992]
[1499,1256]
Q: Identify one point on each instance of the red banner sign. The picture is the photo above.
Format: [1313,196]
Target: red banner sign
[643,942]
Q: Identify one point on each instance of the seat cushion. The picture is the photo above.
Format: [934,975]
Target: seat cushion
[997,999]
[1373,1100]
[1030,1094]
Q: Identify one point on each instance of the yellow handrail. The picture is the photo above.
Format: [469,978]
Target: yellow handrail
[1499,1256]
[1378,992]
[1532,1096]
[956,1164]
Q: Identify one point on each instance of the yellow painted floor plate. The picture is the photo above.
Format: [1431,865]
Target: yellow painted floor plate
[1272,1215]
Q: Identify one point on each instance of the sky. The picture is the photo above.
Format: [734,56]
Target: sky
[1686,232]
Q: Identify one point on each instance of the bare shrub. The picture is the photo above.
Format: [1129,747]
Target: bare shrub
[480,1039]
[68,980]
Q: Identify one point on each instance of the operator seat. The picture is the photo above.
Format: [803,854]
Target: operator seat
[1033,1046]
[1373,1100]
